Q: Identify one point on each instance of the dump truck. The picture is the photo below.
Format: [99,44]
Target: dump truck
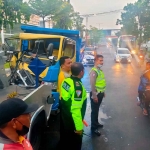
[31,56]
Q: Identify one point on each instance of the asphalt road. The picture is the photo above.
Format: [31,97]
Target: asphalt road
[125,127]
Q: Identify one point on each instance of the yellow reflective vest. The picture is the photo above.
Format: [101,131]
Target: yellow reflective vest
[73,103]
[100,83]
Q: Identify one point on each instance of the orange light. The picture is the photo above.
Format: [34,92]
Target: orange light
[141,56]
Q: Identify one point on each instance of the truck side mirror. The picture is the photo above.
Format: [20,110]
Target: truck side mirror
[50,100]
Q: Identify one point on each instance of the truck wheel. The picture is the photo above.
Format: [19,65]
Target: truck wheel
[37,132]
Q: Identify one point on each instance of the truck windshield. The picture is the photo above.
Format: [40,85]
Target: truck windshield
[13,43]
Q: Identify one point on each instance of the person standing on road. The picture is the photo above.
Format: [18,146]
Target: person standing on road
[73,107]
[14,124]
[98,85]
[65,72]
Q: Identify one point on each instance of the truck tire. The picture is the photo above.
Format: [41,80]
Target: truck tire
[37,132]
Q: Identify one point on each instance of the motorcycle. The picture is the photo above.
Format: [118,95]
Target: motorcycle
[141,60]
[142,102]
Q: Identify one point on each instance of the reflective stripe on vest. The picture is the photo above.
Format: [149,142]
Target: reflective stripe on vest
[68,87]
[100,80]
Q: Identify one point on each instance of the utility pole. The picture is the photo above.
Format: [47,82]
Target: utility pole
[2,34]
[97,14]
[99,24]
[86,32]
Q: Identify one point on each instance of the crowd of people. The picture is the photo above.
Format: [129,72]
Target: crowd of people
[15,113]
[73,100]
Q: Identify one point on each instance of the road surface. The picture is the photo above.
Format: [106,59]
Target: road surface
[125,128]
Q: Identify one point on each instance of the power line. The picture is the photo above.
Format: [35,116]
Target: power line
[101,13]
[96,14]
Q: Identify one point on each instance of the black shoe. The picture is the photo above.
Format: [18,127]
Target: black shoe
[96,132]
[100,125]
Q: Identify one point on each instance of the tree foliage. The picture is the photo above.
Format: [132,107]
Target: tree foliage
[95,35]
[60,11]
[78,23]
[135,20]
[44,8]
[13,11]
[62,18]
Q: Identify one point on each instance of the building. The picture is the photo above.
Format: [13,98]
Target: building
[34,20]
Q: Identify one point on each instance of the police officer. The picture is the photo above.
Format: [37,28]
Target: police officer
[73,104]
[98,85]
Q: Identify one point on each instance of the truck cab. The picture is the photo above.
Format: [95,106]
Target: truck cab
[45,46]
[40,45]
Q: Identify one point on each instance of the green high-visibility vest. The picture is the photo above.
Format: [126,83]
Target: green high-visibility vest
[100,80]
[73,103]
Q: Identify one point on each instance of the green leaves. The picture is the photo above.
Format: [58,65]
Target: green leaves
[13,11]
[61,12]
[95,34]
[45,8]
[63,17]
[136,19]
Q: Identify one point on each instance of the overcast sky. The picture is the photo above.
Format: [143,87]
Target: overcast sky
[96,6]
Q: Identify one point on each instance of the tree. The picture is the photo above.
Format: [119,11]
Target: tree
[118,33]
[78,23]
[95,35]
[63,17]
[128,20]
[13,11]
[45,8]
[136,20]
